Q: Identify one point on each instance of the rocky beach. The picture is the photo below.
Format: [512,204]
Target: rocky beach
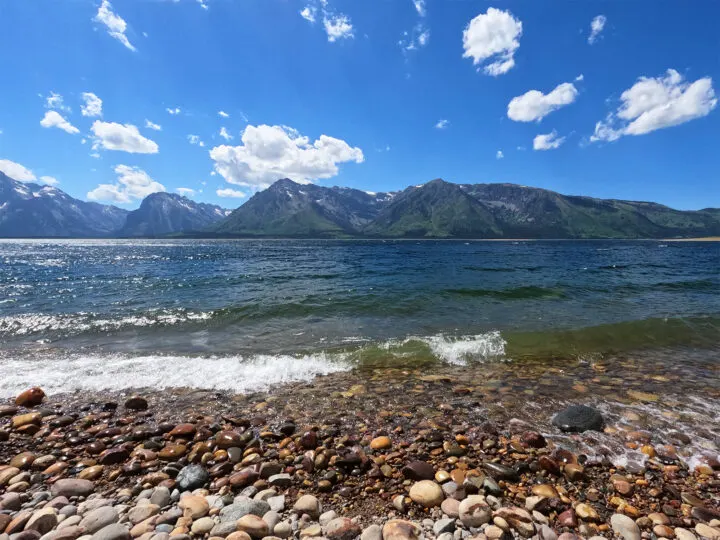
[382,455]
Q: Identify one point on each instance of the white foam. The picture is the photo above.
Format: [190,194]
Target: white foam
[118,372]
[459,351]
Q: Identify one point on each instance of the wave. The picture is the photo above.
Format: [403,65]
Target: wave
[515,293]
[63,373]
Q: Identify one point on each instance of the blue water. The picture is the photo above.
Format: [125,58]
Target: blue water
[326,301]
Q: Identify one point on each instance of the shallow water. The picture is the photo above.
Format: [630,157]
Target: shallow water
[242,315]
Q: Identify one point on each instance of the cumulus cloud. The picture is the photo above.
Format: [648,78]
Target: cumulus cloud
[224,134]
[195,139]
[185,191]
[534,105]
[499,154]
[657,103]
[16,171]
[420,7]
[268,153]
[116,25]
[597,25]
[124,137]
[548,141]
[92,105]
[55,101]
[229,192]
[223,114]
[174,111]
[308,13]
[132,184]
[338,27]
[152,125]
[442,123]
[493,36]
[55,119]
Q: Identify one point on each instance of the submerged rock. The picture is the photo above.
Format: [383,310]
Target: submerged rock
[579,418]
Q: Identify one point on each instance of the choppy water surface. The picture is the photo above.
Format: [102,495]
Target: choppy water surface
[243,314]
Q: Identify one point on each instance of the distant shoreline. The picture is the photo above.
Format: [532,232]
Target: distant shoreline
[377,239]
[700,239]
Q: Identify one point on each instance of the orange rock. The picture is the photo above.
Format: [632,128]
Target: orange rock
[30,398]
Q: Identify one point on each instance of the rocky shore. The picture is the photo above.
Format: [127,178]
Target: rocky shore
[387,460]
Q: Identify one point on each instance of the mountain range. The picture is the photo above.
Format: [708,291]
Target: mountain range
[286,209]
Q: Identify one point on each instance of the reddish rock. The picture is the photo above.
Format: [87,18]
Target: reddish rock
[567,519]
[113,456]
[30,398]
[183,430]
[533,439]
[136,403]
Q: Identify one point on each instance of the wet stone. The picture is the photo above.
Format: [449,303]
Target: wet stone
[578,418]
[419,470]
[192,477]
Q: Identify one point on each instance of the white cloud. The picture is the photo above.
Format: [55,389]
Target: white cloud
[548,141]
[223,114]
[308,13]
[499,154]
[229,192]
[224,134]
[442,124]
[116,25]
[579,78]
[195,139]
[420,7]
[55,101]
[657,103]
[338,27]
[174,111]
[419,38]
[49,180]
[55,119]
[185,191]
[203,4]
[124,137]
[534,105]
[16,171]
[268,153]
[152,125]
[493,35]
[133,183]
[92,106]
[596,27]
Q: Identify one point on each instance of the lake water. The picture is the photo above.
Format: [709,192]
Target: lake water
[242,315]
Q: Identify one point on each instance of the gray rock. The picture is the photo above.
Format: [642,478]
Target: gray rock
[99,518]
[277,503]
[243,507]
[223,528]
[445,536]
[444,526]
[342,529]
[11,501]
[234,454]
[70,522]
[579,418]
[72,487]
[160,496]
[265,494]
[164,528]
[160,536]
[42,521]
[283,480]
[115,531]
[192,477]
[68,510]
[546,533]
[308,504]
[271,518]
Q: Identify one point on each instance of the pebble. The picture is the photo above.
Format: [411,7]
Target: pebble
[308,504]
[342,528]
[398,529]
[707,532]
[114,531]
[311,531]
[99,518]
[451,507]
[419,470]
[427,493]
[381,443]
[684,534]
[373,532]
[474,511]
[625,526]
[444,526]
[71,487]
[578,418]
[192,477]
[282,529]
[142,512]
[202,526]
[195,506]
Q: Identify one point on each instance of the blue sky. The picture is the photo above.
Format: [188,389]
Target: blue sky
[377,95]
